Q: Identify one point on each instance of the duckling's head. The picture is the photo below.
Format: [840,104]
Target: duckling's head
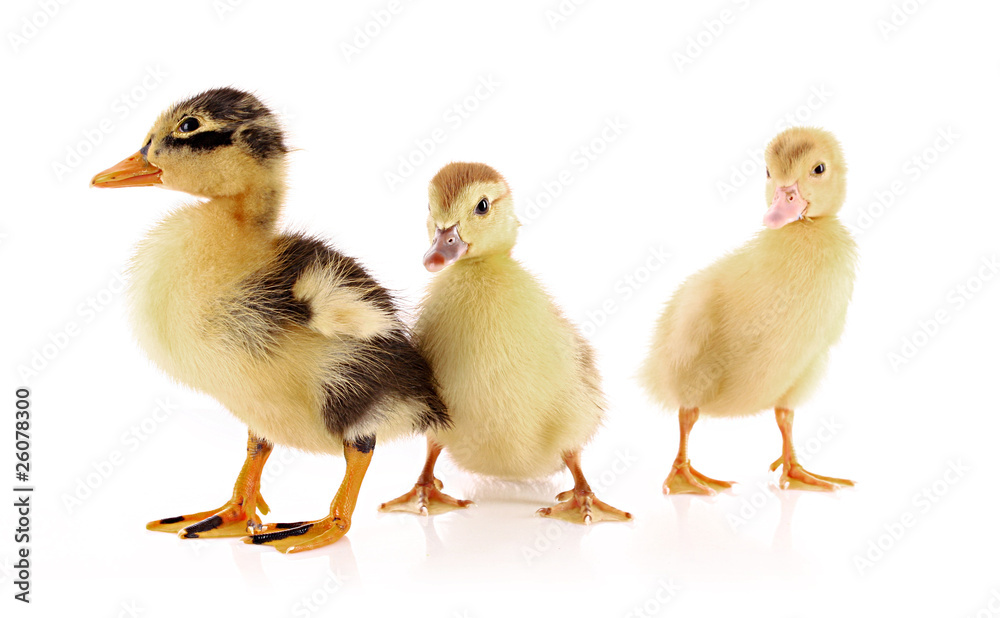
[806,176]
[471,215]
[222,142]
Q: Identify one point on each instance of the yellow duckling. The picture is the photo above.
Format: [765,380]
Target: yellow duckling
[519,381]
[752,331]
[295,339]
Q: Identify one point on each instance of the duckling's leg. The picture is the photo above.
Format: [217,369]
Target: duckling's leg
[793,475]
[303,536]
[579,505]
[236,517]
[426,497]
[684,479]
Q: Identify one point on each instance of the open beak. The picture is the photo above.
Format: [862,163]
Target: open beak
[787,205]
[134,171]
[446,248]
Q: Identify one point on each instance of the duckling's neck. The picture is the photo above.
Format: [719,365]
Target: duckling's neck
[212,243]
[256,210]
[488,259]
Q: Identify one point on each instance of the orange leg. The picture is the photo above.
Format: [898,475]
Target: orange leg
[303,536]
[579,505]
[793,475]
[236,517]
[684,479]
[426,497]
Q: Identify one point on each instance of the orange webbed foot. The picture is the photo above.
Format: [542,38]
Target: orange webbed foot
[301,536]
[235,518]
[684,479]
[795,476]
[424,499]
[583,507]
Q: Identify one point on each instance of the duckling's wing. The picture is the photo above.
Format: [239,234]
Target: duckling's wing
[339,307]
[340,297]
[690,320]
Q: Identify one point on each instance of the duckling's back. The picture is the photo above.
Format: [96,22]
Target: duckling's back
[519,382]
[752,330]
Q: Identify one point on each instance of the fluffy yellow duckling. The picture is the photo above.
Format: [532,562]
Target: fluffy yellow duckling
[295,339]
[752,331]
[519,381]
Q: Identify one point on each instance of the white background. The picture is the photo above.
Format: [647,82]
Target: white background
[81,90]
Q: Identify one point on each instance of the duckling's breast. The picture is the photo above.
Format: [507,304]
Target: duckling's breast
[776,306]
[198,320]
[180,277]
[510,369]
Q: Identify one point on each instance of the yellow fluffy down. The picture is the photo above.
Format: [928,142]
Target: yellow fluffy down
[752,331]
[186,295]
[517,378]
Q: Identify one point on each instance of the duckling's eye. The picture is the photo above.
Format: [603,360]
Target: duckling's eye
[188,125]
[819,169]
[768,172]
[483,206]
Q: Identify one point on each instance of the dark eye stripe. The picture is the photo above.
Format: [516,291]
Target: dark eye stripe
[206,140]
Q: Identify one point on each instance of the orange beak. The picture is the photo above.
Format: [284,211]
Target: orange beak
[134,171]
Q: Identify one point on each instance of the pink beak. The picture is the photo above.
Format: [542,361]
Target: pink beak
[446,248]
[787,206]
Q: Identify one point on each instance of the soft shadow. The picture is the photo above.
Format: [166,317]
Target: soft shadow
[538,492]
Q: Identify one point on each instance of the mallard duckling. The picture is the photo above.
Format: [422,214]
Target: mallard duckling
[518,379]
[295,339]
[753,330]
